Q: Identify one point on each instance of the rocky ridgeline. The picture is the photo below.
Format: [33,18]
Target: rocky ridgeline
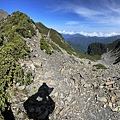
[3,14]
[81,92]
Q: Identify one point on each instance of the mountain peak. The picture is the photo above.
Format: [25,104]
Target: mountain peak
[3,14]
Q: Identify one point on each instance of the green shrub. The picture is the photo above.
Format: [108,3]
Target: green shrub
[20,23]
[100,66]
[89,62]
[1,41]
[45,46]
[10,70]
[94,69]
[55,47]
[28,78]
[13,47]
[3,98]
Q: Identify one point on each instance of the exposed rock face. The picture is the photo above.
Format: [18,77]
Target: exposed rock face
[3,14]
[81,92]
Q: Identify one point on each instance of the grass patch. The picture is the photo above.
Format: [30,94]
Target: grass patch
[99,66]
[45,46]
[25,91]
[94,69]
[93,58]
[55,47]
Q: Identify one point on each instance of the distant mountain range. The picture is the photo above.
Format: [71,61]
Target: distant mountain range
[80,42]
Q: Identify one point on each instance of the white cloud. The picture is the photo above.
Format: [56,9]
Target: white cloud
[98,34]
[72,22]
[98,15]
[67,32]
[105,16]
[85,12]
[107,12]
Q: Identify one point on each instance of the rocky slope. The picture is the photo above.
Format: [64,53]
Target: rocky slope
[83,90]
[3,14]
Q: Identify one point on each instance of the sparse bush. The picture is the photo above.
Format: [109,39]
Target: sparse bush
[45,46]
[28,78]
[100,66]
[94,69]
[89,62]
[20,23]
[10,72]
[55,47]
[1,41]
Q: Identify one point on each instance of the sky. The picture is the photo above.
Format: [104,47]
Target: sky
[70,16]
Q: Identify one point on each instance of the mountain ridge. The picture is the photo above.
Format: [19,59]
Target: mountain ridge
[3,14]
[83,89]
[86,41]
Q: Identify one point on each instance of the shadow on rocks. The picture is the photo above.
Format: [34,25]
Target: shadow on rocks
[40,105]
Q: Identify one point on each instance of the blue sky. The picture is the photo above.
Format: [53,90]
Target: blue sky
[70,15]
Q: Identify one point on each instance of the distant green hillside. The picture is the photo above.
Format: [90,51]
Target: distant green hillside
[77,47]
[59,40]
[96,49]
[42,28]
[100,48]
[55,37]
[85,41]
[114,45]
